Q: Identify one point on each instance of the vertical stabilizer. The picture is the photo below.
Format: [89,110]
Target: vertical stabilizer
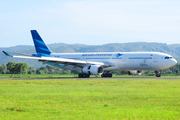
[40,46]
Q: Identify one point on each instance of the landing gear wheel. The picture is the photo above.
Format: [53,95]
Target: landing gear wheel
[83,75]
[158,73]
[110,75]
[106,75]
[80,75]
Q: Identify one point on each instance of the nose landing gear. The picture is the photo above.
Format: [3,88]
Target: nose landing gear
[158,73]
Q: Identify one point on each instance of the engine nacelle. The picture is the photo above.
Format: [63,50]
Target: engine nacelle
[93,70]
[133,72]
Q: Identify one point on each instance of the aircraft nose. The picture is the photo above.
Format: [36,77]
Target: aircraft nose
[173,62]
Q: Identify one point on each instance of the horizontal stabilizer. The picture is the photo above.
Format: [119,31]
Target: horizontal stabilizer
[7,54]
[21,54]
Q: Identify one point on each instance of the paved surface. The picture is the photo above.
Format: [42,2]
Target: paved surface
[119,78]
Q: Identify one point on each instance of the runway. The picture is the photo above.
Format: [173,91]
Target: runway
[114,78]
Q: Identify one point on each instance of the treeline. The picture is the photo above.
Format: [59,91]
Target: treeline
[17,68]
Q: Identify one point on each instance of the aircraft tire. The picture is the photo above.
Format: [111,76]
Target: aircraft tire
[80,75]
[158,75]
[83,75]
[106,75]
[110,75]
[86,75]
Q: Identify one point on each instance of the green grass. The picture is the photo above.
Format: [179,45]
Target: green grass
[36,75]
[89,99]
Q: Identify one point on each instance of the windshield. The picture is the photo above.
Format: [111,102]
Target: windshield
[168,57]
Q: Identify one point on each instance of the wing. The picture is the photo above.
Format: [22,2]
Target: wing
[65,62]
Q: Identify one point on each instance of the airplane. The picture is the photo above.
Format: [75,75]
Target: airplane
[100,63]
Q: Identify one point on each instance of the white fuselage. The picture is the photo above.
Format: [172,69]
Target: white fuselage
[124,60]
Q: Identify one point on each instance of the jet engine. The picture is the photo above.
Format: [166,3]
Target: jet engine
[93,70]
[133,72]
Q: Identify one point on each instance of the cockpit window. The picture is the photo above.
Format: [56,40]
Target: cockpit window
[168,57]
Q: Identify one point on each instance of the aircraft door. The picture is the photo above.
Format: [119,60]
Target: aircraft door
[122,62]
[155,58]
[124,58]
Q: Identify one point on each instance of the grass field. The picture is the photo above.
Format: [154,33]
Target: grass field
[89,99]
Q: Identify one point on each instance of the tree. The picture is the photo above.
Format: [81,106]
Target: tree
[11,67]
[17,68]
[51,69]
[3,69]
[67,72]
[75,71]
[177,71]
[31,70]
[39,71]
[44,69]
[21,67]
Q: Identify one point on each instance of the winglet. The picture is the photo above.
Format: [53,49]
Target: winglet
[7,54]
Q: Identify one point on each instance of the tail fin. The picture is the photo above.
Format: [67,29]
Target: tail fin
[41,47]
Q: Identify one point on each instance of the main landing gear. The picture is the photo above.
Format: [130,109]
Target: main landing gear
[83,75]
[106,75]
[158,73]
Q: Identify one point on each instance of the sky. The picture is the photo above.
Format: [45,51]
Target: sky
[91,22]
